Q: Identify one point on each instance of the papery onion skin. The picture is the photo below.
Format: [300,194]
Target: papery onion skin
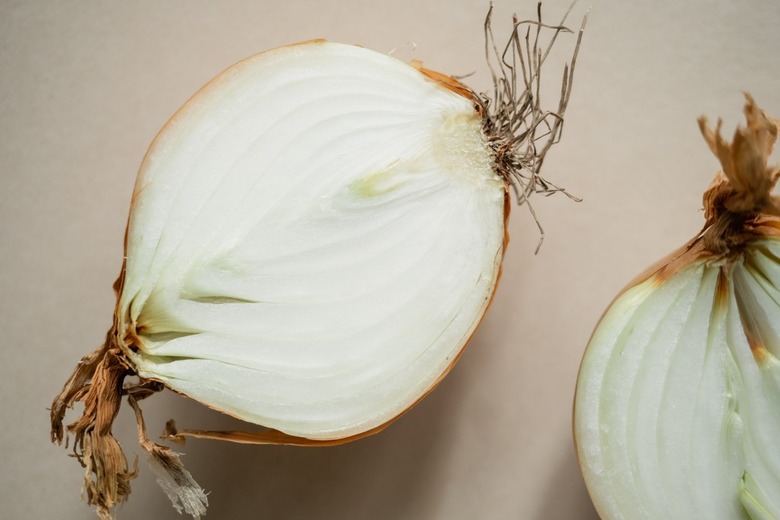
[677,406]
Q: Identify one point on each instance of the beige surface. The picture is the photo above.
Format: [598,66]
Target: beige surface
[83,89]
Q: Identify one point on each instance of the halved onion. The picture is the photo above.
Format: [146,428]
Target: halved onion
[677,410]
[331,239]
[313,239]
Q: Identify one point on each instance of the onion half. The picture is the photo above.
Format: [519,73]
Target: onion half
[313,239]
[677,409]
[327,248]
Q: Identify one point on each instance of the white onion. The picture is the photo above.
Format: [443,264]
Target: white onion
[313,239]
[677,411]
[330,240]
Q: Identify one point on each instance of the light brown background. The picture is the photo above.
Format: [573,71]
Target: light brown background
[84,86]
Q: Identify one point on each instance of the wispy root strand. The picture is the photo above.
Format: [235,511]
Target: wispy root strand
[520,132]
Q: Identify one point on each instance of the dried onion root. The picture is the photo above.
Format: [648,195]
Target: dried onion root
[677,412]
[313,239]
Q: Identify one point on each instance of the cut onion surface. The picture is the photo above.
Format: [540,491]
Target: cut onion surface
[326,249]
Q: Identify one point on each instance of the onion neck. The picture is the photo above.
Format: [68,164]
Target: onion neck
[97,382]
[740,198]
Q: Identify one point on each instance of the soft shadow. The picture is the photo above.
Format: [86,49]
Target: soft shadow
[567,497]
[389,475]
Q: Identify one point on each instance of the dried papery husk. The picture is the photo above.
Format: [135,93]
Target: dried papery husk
[313,239]
[677,409]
